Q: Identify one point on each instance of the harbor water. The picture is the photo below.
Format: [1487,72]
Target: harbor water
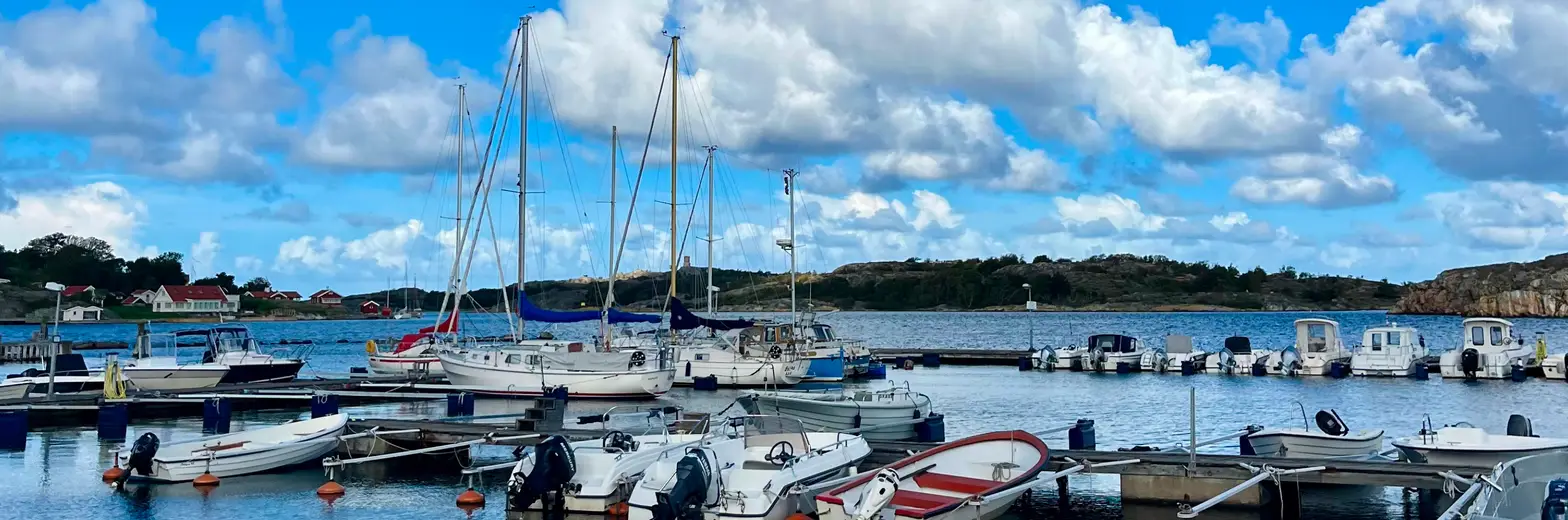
[57,476]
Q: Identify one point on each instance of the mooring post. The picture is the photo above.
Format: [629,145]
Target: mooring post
[1192,423]
[1061,491]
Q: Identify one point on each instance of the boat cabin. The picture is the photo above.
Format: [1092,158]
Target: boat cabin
[1113,343]
[1238,345]
[1390,337]
[821,332]
[1178,344]
[1489,332]
[1317,335]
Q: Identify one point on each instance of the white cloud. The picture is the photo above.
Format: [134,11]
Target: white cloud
[387,247]
[319,254]
[204,254]
[248,265]
[1263,42]
[1343,256]
[1324,179]
[103,210]
[1504,215]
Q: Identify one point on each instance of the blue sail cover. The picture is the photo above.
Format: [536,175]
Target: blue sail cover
[682,319]
[528,311]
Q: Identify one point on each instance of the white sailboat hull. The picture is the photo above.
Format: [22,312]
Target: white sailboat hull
[734,371]
[519,382]
[1299,443]
[395,365]
[257,451]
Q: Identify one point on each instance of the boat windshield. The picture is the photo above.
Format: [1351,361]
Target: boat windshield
[764,431]
[1317,337]
[822,332]
[1395,339]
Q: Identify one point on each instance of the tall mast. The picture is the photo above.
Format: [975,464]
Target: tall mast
[789,187]
[522,181]
[609,289]
[709,289]
[675,77]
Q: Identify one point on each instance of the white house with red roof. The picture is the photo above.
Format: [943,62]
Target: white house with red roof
[327,297]
[139,297]
[369,307]
[292,296]
[194,298]
[73,290]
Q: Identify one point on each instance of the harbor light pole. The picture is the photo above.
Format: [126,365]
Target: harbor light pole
[54,337]
[1030,306]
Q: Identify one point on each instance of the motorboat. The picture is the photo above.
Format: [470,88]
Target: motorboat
[590,476]
[1388,351]
[1179,353]
[1044,358]
[879,415]
[979,478]
[71,376]
[758,355]
[1332,440]
[232,346]
[1464,444]
[14,388]
[161,370]
[830,358]
[1490,351]
[536,367]
[743,470]
[415,354]
[1321,349]
[1287,362]
[1527,488]
[1239,358]
[1119,350]
[1079,358]
[230,455]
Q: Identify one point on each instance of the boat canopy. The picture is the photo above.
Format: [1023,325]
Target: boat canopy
[1178,344]
[528,311]
[1238,345]
[1316,334]
[682,319]
[1114,343]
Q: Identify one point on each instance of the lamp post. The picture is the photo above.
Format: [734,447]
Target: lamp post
[1030,306]
[54,337]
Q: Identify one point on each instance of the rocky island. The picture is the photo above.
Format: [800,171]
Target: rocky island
[1536,289]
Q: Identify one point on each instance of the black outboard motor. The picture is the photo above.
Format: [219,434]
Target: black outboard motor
[1520,426]
[685,500]
[1330,423]
[554,466]
[1470,362]
[142,452]
[1555,505]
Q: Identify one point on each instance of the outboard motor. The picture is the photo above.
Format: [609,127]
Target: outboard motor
[1469,362]
[1289,361]
[142,453]
[879,493]
[1555,505]
[1330,423]
[1520,426]
[696,486]
[554,464]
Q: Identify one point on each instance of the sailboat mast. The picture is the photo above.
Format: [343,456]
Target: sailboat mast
[675,76]
[789,179]
[709,289]
[609,288]
[522,181]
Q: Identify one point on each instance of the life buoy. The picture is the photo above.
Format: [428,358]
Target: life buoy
[776,352]
[370,346]
[638,358]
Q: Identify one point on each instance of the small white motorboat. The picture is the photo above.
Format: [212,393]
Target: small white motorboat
[1463,444]
[745,472]
[232,346]
[1044,359]
[1333,440]
[539,366]
[974,478]
[1122,350]
[1527,488]
[1388,351]
[1322,351]
[1079,358]
[234,454]
[161,370]
[877,414]
[14,388]
[1490,351]
[1178,353]
[1238,358]
[593,475]
[71,376]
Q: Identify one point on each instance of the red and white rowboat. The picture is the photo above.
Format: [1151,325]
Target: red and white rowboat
[977,477]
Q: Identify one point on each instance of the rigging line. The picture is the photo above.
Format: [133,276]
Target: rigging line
[745,252]
[571,174]
[495,243]
[696,92]
[488,180]
[643,165]
[484,187]
[681,251]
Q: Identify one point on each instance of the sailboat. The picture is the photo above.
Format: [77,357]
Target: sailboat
[524,367]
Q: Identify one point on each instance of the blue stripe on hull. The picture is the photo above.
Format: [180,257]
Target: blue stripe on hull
[825,369]
[857,366]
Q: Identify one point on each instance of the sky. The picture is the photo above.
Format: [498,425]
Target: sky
[316,144]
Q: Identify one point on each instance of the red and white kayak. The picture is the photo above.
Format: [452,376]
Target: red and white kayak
[974,478]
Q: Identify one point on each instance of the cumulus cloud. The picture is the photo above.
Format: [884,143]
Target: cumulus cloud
[1503,215]
[1325,179]
[103,209]
[204,253]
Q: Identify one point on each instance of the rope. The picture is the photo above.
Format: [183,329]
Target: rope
[113,383]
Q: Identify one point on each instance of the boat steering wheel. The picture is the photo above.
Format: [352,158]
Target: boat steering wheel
[781,453]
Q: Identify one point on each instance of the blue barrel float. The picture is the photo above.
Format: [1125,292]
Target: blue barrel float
[459,404]
[215,415]
[322,405]
[113,420]
[13,430]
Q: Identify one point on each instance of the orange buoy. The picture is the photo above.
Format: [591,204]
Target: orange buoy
[798,516]
[470,498]
[331,489]
[205,480]
[909,364]
[619,509]
[114,473]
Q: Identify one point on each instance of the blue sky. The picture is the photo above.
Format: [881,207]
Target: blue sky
[312,144]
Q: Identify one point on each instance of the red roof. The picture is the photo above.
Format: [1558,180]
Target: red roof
[181,293]
[260,294]
[132,299]
[292,295]
[369,306]
[325,293]
[73,290]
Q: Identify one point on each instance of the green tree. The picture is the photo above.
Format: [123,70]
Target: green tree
[224,280]
[257,284]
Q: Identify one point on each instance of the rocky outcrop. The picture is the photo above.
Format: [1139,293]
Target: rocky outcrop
[1534,289]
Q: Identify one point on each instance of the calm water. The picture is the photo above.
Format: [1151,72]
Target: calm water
[57,476]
